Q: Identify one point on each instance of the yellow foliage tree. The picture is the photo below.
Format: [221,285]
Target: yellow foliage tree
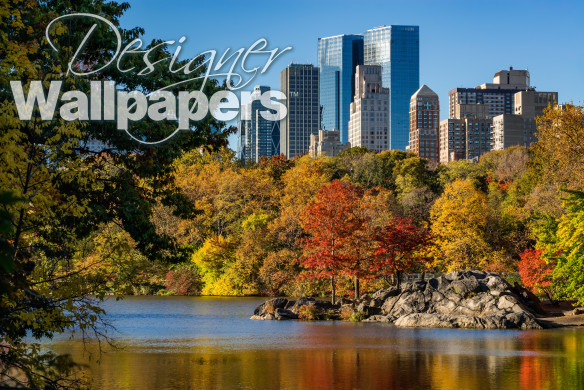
[459,219]
[560,149]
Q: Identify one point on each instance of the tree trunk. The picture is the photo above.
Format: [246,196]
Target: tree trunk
[333,289]
[550,298]
[356,287]
[398,276]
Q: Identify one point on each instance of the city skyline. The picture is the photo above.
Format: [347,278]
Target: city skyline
[447,32]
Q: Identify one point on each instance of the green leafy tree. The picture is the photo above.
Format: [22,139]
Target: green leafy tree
[568,249]
[65,190]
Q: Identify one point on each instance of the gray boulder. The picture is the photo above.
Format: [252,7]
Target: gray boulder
[376,303]
[270,306]
[382,295]
[283,314]
[367,310]
[380,318]
[466,286]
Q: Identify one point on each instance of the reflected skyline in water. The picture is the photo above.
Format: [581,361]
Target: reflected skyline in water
[210,343]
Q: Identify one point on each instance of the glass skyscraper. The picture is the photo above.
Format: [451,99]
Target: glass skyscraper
[257,137]
[337,58]
[397,50]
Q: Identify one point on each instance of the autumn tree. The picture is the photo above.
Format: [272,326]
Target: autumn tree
[416,187]
[213,259]
[109,258]
[399,247]
[300,184]
[377,207]
[331,223]
[65,190]
[568,249]
[536,272]
[559,151]
[459,219]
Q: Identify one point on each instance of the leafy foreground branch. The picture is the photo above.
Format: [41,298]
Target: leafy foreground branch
[57,194]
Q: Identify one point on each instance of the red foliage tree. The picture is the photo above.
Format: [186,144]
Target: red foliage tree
[182,281]
[535,271]
[331,223]
[398,248]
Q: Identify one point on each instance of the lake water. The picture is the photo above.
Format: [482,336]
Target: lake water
[210,343]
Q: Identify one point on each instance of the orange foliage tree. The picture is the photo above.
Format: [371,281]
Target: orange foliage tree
[331,224]
[398,248]
[536,272]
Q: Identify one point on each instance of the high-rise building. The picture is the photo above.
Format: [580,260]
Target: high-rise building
[478,137]
[513,130]
[397,50]
[257,136]
[337,58]
[498,115]
[326,142]
[521,128]
[369,122]
[425,124]
[490,99]
[452,140]
[531,103]
[466,138]
[300,83]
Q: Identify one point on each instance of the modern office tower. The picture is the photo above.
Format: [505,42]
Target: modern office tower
[257,136]
[326,142]
[424,124]
[498,96]
[300,83]
[397,50]
[337,58]
[369,122]
[467,138]
[521,127]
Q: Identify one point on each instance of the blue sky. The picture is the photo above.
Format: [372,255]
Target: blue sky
[462,43]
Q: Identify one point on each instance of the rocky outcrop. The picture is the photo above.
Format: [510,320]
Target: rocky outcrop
[284,309]
[460,299]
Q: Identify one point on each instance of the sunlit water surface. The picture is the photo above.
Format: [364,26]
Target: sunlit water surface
[210,343]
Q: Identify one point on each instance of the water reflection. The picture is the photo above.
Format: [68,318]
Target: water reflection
[197,343]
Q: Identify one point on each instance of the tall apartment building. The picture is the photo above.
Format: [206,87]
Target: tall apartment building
[513,130]
[452,137]
[494,98]
[520,128]
[425,124]
[369,122]
[300,83]
[257,136]
[326,142]
[337,58]
[397,50]
[507,107]
[532,103]
[466,138]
